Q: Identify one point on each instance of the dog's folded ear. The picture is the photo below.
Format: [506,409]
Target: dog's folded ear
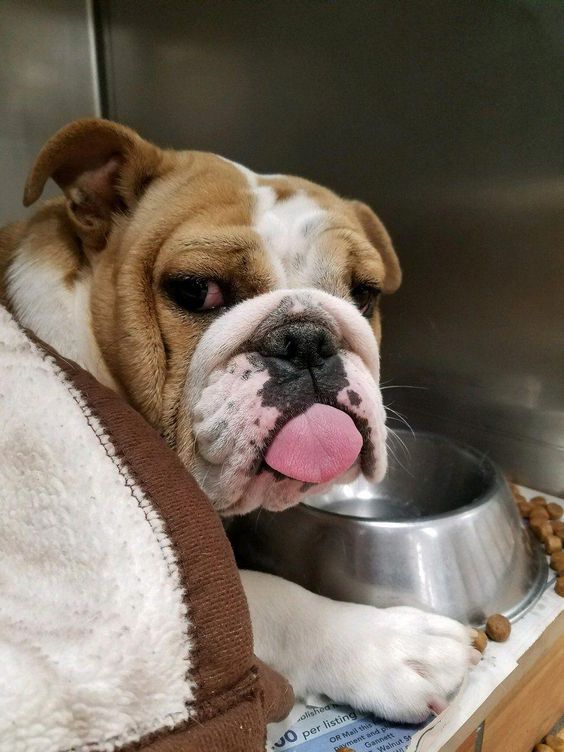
[102,167]
[378,236]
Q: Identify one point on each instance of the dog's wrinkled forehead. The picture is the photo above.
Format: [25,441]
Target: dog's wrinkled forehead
[304,230]
[286,218]
[303,307]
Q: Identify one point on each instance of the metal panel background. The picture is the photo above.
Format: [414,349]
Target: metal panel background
[46,79]
[449,119]
[446,116]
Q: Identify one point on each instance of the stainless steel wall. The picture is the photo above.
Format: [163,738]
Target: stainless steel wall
[448,117]
[46,79]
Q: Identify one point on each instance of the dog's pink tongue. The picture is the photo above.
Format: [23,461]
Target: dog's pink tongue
[316,446]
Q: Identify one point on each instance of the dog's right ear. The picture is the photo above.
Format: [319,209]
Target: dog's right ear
[102,168]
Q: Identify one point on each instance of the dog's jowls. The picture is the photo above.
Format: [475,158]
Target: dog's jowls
[225,305]
[239,394]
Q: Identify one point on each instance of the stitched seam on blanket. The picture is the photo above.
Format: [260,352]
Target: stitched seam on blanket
[213,703]
[167,551]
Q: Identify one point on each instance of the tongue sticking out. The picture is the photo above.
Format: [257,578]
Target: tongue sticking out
[316,446]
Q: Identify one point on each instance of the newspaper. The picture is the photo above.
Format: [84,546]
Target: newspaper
[321,726]
[337,728]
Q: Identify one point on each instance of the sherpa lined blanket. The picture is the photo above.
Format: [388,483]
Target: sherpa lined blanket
[122,618]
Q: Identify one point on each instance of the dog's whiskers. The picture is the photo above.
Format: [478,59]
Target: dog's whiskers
[401,418]
[402,386]
[396,436]
[394,455]
[393,434]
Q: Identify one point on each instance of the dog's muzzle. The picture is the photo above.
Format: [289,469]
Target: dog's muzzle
[283,396]
[320,442]
[303,344]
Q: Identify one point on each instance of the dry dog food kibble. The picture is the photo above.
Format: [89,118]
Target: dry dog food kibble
[542,529]
[554,510]
[538,513]
[557,562]
[551,743]
[546,523]
[525,508]
[498,628]
[552,543]
[480,641]
[554,743]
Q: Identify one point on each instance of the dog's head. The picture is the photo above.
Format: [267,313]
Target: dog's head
[237,312]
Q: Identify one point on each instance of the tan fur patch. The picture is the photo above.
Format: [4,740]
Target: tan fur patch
[10,237]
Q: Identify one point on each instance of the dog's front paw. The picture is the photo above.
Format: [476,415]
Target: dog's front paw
[399,663]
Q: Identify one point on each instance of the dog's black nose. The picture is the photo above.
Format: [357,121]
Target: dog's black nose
[304,344]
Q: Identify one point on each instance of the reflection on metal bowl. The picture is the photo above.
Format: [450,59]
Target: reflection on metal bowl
[441,532]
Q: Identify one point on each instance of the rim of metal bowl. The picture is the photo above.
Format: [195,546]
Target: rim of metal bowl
[498,484]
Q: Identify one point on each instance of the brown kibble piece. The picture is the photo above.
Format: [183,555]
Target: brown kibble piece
[560,734]
[538,513]
[480,642]
[538,501]
[539,522]
[552,544]
[542,748]
[554,743]
[518,498]
[559,587]
[541,529]
[558,529]
[557,562]
[498,628]
[554,510]
[525,508]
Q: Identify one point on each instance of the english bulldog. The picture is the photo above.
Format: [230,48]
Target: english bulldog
[239,313]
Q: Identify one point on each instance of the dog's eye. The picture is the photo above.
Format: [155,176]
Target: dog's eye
[364,297]
[194,294]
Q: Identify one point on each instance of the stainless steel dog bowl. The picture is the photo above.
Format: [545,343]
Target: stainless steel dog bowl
[441,532]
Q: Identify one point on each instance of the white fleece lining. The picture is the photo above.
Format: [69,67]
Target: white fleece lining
[94,645]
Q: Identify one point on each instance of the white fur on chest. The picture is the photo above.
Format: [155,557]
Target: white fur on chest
[57,313]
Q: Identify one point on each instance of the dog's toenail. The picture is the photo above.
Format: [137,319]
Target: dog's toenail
[437,705]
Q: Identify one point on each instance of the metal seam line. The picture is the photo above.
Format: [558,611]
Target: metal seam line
[93,55]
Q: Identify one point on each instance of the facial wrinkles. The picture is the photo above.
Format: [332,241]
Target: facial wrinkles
[287,228]
[238,401]
[226,335]
[246,403]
